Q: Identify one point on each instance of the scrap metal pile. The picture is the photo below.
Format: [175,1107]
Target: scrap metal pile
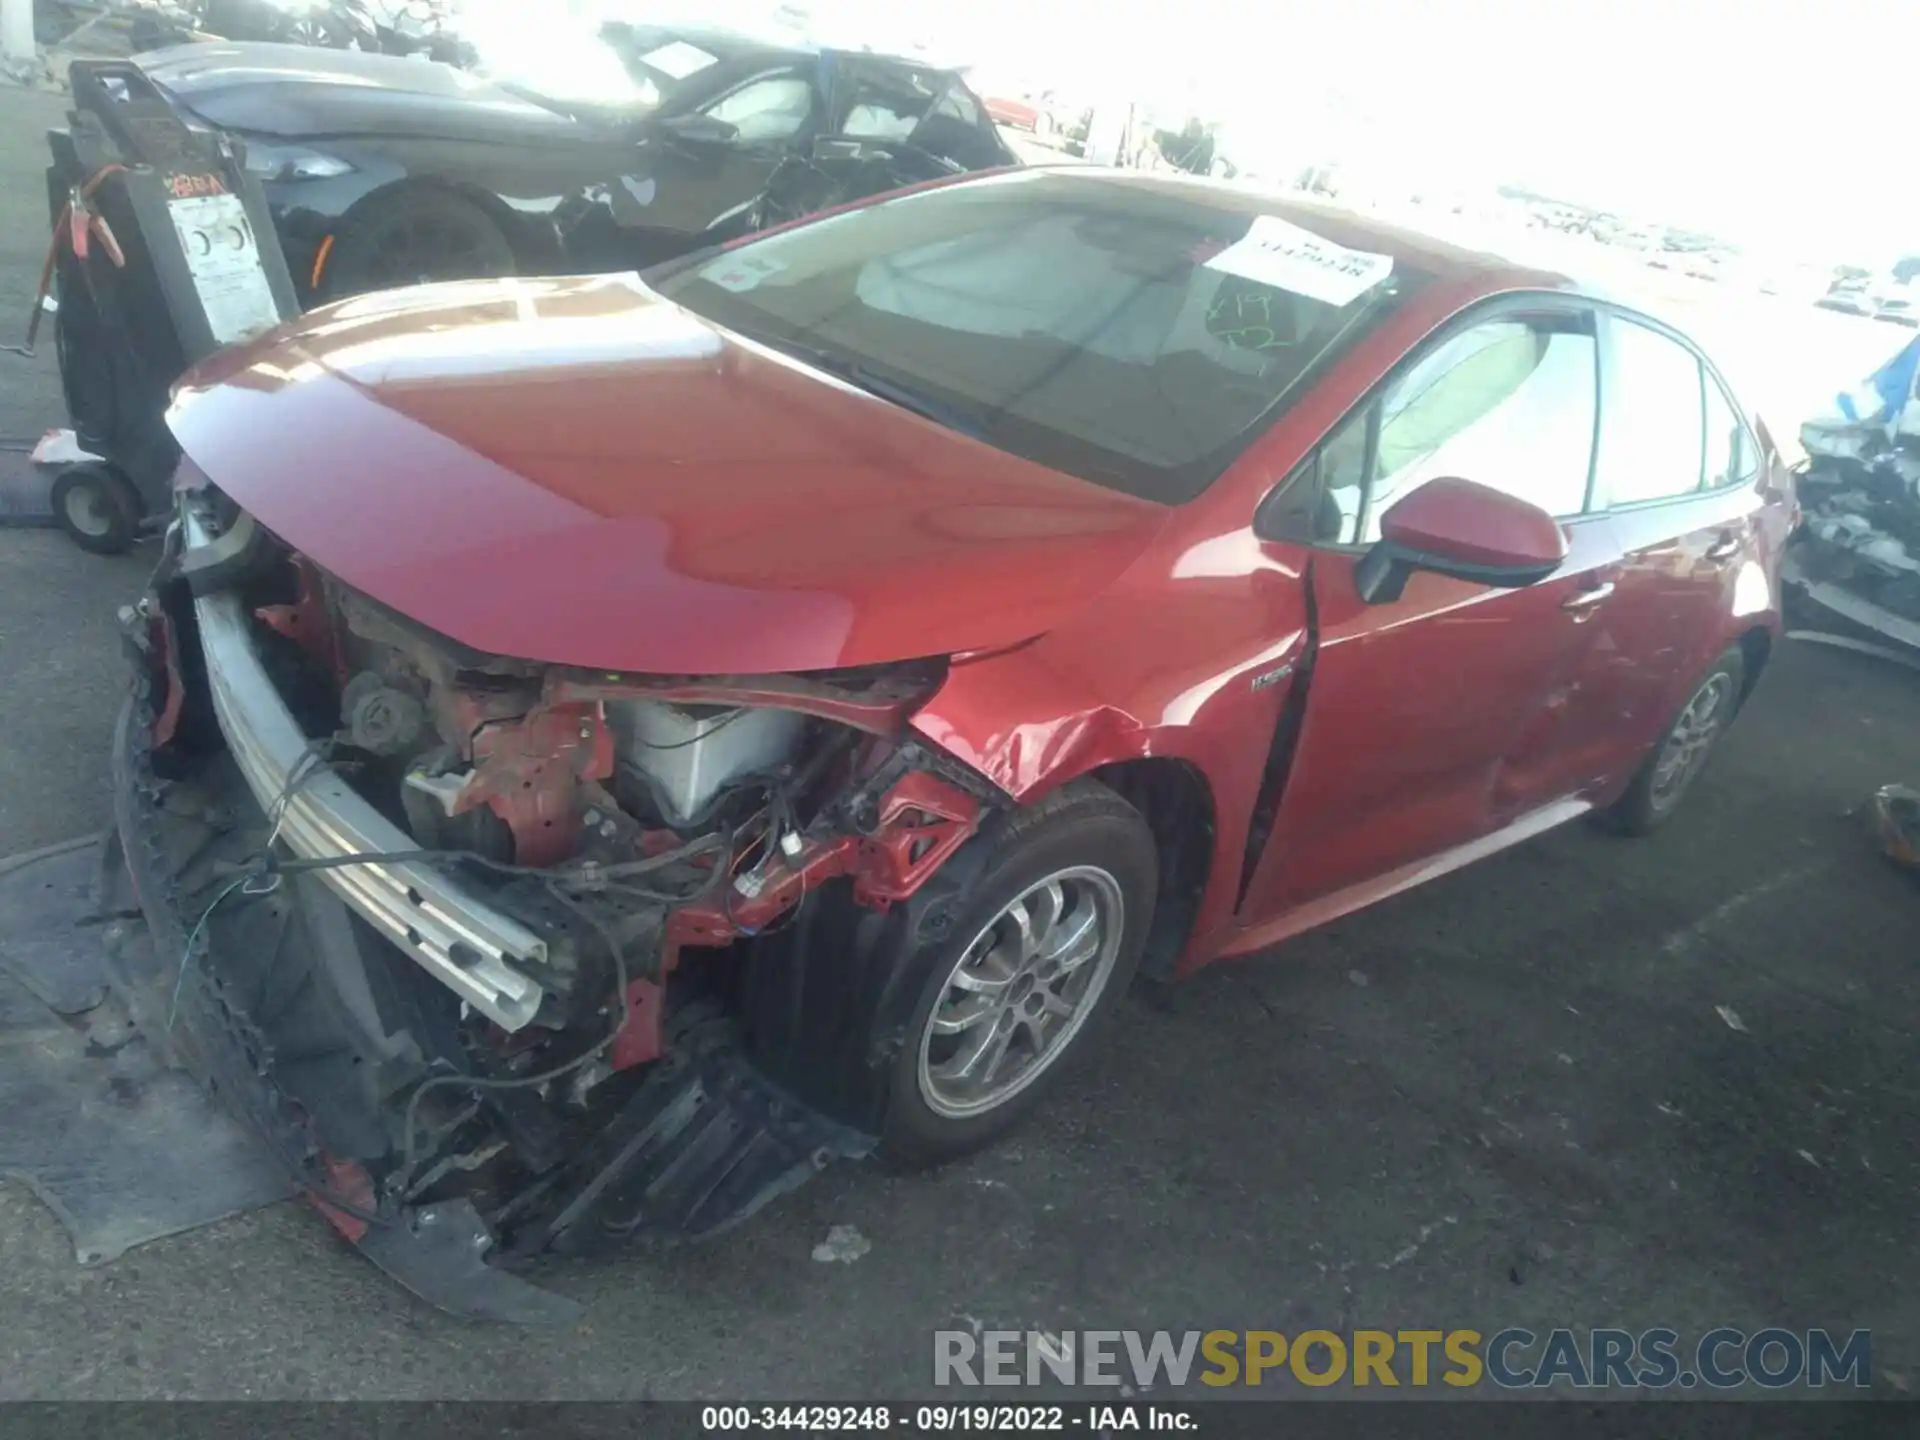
[1857,560]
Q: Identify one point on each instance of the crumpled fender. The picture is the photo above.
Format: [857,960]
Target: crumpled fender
[1063,731]
[1194,673]
[1030,727]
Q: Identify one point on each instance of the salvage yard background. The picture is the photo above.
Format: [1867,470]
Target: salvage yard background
[1509,1098]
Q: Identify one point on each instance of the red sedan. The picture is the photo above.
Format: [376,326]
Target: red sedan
[675,730]
[1018,110]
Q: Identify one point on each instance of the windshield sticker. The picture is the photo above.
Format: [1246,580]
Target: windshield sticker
[678,60]
[741,272]
[1277,253]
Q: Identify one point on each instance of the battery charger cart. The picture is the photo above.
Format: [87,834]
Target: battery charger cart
[163,252]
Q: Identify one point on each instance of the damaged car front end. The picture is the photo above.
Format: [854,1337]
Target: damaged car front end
[606,746]
[1855,566]
[466,939]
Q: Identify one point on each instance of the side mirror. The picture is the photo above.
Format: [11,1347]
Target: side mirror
[1468,531]
[699,132]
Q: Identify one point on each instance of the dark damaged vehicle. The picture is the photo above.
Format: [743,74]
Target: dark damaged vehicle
[641,144]
[606,747]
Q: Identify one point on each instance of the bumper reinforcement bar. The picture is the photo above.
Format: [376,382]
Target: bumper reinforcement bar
[470,947]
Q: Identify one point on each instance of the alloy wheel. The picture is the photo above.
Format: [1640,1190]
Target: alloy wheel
[1020,992]
[1691,738]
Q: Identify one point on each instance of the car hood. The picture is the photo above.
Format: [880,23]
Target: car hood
[299,90]
[578,471]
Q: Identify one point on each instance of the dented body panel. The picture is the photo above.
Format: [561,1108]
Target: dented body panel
[1441,728]
[497,540]
[573,185]
[806,525]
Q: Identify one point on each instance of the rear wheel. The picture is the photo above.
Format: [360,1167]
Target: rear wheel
[415,237]
[1676,762]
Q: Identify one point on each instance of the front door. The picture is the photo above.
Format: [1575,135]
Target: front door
[689,189]
[1440,718]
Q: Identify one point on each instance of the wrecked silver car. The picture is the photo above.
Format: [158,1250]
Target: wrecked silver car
[1855,567]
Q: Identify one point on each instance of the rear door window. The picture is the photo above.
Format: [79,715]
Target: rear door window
[1653,446]
[887,102]
[957,129]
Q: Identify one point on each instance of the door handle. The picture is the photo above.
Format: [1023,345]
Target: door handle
[1724,549]
[1585,601]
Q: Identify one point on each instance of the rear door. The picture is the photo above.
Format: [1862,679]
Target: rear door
[957,129]
[896,124]
[1439,718]
[913,108]
[1678,472]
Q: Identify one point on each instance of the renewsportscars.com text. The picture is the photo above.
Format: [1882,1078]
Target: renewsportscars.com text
[1510,1359]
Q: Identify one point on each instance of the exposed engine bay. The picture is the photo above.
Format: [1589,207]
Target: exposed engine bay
[501,943]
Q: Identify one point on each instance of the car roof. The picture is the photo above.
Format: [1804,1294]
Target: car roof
[734,47]
[731,48]
[1413,249]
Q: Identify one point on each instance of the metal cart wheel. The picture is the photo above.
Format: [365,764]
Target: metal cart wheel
[98,508]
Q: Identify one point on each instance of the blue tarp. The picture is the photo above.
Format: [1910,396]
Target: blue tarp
[1885,393]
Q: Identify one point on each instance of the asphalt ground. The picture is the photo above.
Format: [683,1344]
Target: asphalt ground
[1512,1097]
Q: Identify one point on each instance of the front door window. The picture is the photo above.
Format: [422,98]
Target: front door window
[768,111]
[1508,403]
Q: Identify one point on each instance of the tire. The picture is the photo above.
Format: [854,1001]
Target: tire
[1655,793]
[317,32]
[1097,850]
[98,508]
[413,237]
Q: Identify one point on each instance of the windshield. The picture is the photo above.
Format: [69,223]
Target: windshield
[571,63]
[1111,329]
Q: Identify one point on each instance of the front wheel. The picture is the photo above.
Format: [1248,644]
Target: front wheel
[415,236]
[1035,965]
[1676,762]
